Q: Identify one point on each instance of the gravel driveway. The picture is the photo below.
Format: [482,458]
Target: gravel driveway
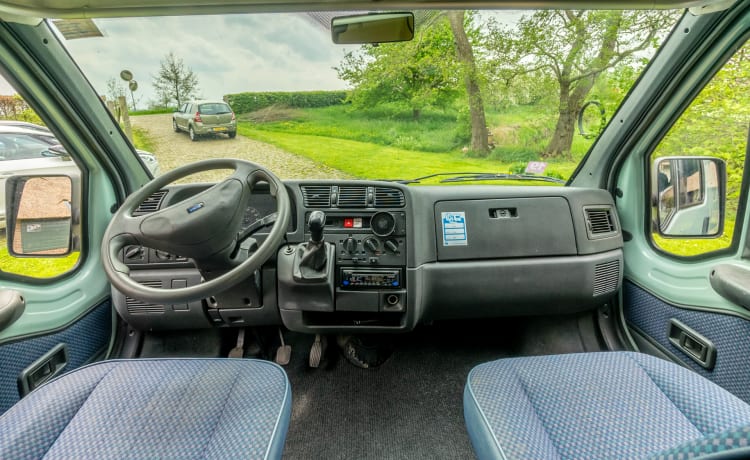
[174,149]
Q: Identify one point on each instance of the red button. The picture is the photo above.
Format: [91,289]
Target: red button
[348,222]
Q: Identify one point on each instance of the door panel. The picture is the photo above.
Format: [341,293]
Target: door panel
[650,316]
[87,339]
[72,308]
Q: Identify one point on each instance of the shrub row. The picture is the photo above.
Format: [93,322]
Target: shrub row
[250,102]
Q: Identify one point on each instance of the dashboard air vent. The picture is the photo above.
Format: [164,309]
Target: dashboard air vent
[139,307]
[150,204]
[317,196]
[599,222]
[388,197]
[352,197]
[606,277]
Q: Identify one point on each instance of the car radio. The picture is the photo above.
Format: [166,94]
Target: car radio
[352,278]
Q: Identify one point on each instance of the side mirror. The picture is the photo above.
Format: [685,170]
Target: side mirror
[372,28]
[40,215]
[689,195]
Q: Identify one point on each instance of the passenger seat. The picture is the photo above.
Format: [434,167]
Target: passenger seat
[601,405]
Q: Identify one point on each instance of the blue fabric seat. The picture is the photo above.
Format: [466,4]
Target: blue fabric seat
[153,408]
[614,405]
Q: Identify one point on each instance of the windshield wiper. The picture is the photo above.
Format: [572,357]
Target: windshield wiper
[475,176]
[503,176]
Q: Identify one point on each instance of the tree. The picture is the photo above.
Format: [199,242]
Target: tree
[114,89]
[575,47]
[471,79]
[417,74]
[175,82]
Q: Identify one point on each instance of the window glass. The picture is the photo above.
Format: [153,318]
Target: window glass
[43,214]
[213,109]
[714,125]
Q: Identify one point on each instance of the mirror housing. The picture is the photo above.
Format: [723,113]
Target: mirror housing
[41,215]
[689,195]
[372,28]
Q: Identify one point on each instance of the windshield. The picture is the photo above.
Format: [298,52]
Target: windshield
[503,94]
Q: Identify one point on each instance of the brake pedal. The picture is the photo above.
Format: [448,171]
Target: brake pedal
[239,350]
[284,352]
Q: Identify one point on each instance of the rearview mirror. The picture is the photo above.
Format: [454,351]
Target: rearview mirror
[689,195]
[40,215]
[372,28]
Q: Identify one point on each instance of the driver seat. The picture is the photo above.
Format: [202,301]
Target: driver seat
[154,408]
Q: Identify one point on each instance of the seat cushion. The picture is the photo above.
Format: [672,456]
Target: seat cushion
[154,408]
[592,405]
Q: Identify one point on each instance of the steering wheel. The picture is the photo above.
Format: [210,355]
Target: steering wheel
[204,227]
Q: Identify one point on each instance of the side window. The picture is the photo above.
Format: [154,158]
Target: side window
[39,195]
[714,125]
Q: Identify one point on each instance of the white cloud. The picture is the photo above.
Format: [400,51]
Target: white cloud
[229,54]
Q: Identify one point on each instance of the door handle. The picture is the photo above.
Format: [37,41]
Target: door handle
[43,369]
[731,282]
[696,346]
[12,306]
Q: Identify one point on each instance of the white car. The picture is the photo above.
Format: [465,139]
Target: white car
[25,150]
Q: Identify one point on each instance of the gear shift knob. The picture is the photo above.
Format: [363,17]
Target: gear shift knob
[316,222]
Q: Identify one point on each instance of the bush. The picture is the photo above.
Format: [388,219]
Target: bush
[251,102]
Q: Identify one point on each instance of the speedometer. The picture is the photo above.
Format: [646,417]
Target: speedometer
[251,217]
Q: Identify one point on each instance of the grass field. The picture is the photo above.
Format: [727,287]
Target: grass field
[388,144]
[371,161]
[36,267]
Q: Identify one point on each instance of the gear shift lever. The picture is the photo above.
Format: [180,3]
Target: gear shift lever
[314,256]
[316,222]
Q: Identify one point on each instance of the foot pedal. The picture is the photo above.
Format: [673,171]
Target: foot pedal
[239,350]
[317,350]
[284,352]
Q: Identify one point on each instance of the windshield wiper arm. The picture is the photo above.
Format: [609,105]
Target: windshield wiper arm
[502,176]
[470,176]
[417,180]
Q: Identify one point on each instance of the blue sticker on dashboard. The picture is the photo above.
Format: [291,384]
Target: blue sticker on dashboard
[454,229]
[195,207]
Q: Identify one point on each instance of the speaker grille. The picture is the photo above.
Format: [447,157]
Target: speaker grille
[606,277]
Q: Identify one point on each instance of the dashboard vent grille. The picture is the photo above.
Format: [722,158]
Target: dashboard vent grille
[606,277]
[599,222]
[388,197]
[150,204]
[139,307]
[317,196]
[352,197]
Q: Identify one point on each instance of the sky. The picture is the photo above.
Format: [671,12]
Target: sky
[229,54]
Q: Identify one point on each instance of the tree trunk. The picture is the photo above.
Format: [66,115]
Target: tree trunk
[570,104]
[415,113]
[476,105]
[562,139]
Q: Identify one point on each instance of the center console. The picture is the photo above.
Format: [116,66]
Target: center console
[364,277]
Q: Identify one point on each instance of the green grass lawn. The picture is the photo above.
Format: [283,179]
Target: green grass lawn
[141,140]
[693,247]
[36,267]
[372,161]
[435,131]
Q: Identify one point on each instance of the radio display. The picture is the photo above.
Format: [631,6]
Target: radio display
[351,278]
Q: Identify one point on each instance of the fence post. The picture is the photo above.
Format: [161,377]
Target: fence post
[125,117]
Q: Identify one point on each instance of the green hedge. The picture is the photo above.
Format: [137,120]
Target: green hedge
[250,102]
